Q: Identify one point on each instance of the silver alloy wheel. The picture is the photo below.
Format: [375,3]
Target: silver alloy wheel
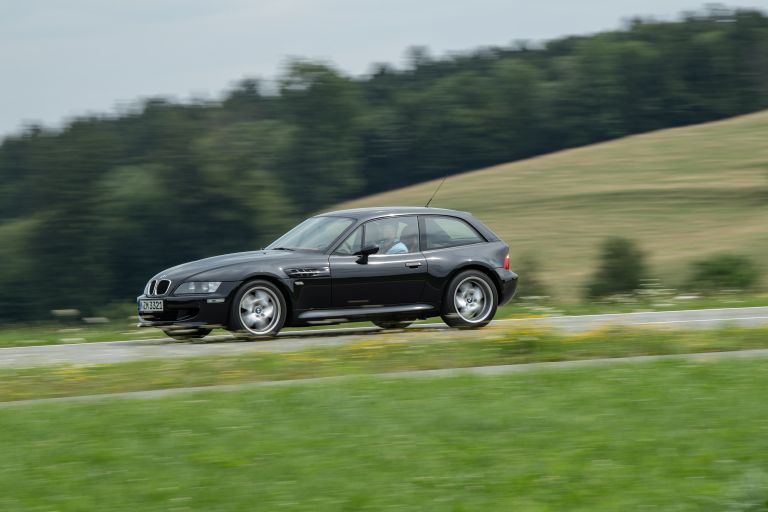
[259,310]
[473,300]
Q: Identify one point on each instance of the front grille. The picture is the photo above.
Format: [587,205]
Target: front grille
[157,287]
[187,314]
[162,286]
[171,314]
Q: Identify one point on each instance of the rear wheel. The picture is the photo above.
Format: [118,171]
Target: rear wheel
[258,310]
[187,334]
[470,301]
[392,324]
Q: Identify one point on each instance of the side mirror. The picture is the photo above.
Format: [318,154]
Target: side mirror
[365,252]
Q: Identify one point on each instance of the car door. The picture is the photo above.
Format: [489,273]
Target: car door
[393,276]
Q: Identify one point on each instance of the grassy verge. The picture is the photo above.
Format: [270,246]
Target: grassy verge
[496,345]
[49,333]
[21,335]
[682,436]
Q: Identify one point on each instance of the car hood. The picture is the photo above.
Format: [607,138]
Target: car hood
[188,270]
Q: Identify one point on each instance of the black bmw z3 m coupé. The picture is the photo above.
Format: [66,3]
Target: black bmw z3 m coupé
[387,265]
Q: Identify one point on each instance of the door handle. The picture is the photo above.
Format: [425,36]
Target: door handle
[413,264]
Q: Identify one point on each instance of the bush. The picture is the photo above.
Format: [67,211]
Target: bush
[531,283]
[724,271]
[621,269]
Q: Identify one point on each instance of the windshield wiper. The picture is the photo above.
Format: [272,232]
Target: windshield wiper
[282,249]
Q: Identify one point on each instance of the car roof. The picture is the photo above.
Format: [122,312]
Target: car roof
[364,214]
[368,213]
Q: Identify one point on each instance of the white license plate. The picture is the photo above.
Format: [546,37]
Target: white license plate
[148,306]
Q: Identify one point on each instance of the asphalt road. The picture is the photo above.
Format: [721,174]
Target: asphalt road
[122,351]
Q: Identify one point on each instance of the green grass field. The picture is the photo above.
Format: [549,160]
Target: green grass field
[682,194]
[685,436]
[381,353]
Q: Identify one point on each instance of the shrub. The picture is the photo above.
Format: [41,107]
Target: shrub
[724,271]
[531,283]
[621,268]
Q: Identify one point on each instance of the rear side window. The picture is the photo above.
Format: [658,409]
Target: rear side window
[444,232]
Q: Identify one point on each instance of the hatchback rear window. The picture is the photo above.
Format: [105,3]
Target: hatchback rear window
[444,232]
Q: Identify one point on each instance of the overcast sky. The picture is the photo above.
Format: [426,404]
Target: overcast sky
[63,58]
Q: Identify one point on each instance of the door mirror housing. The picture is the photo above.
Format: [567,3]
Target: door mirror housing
[365,252]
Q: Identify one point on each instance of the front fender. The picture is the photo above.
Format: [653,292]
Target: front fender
[300,292]
[240,272]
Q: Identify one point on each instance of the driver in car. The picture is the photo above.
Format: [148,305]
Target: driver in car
[390,243]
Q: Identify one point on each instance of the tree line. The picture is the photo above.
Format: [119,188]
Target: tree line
[90,211]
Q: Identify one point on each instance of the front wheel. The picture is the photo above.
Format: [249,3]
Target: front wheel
[258,310]
[470,301]
[187,334]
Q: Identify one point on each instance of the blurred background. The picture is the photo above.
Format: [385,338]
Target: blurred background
[619,147]
[139,136]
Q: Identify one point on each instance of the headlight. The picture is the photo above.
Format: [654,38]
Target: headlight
[197,287]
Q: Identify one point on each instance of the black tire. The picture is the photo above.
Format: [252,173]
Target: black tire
[258,324]
[392,324]
[187,334]
[477,289]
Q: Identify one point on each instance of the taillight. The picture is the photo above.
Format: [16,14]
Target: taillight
[506,262]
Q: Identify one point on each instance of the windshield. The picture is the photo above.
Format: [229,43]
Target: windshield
[314,234]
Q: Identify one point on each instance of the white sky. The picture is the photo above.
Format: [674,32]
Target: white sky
[64,58]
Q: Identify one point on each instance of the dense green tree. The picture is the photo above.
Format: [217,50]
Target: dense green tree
[326,109]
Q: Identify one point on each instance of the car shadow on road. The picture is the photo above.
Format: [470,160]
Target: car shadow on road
[309,333]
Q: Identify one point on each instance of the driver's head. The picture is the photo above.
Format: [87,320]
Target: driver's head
[389,230]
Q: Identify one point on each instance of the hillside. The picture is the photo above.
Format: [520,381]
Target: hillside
[681,193]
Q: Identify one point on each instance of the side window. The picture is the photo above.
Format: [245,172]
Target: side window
[352,244]
[393,235]
[448,232]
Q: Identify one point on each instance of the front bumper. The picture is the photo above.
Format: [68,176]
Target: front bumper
[508,280]
[190,311]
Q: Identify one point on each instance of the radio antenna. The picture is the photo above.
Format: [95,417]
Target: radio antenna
[435,192]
